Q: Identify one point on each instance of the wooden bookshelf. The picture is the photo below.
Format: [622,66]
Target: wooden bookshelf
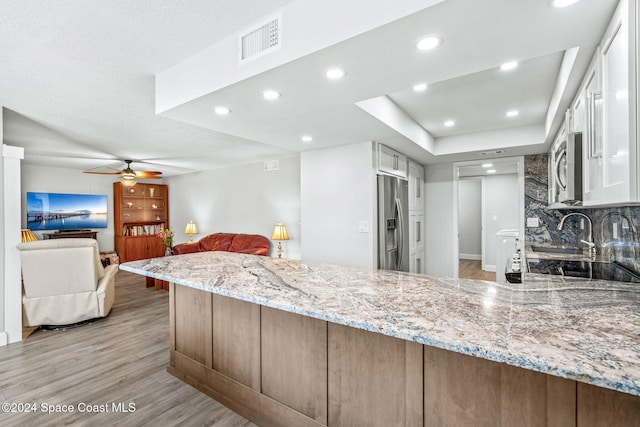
[139,214]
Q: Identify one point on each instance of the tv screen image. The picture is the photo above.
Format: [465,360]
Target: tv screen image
[57,211]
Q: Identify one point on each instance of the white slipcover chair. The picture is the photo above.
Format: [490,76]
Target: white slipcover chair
[64,282]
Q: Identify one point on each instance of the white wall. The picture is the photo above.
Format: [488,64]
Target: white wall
[501,211]
[239,199]
[439,220]
[62,180]
[236,199]
[3,339]
[10,285]
[470,218]
[337,192]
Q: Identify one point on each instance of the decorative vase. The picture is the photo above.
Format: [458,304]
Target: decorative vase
[168,251]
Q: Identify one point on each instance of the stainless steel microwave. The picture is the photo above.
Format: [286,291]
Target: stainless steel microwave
[566,167]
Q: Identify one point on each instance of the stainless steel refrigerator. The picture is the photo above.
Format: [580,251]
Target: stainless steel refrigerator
[393,223]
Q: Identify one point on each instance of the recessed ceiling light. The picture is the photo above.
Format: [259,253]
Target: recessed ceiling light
[449,123]
[509,65]
[487,165]
[222,110]
[512,113]
[420,87]
[428,42]
[307,138]
[491,171]
[271,94]
[335,73]
[563,3]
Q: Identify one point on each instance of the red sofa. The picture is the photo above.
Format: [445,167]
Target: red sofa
[242,243]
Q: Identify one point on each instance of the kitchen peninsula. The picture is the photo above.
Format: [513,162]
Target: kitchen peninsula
[285,343]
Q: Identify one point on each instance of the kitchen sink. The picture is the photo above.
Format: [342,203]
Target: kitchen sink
[557,249]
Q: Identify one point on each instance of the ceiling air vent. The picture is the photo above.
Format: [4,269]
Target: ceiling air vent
[261,39]
[271,165]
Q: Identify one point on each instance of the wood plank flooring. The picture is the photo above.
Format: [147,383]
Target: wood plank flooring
[472,269]
[121,359]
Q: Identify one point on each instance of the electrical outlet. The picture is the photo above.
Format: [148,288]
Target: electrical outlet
[533,222]
[363,226]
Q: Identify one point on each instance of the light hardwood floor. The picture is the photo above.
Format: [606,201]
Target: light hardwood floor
[121,359]
[472,269]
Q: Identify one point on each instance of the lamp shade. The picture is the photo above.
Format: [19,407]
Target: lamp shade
[191,228]
[279,232]
[27,236]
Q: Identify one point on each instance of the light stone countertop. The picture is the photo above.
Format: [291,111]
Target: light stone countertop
[584,330]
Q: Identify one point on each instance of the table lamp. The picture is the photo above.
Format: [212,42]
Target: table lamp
[191,229]
[279,234]
[27,236]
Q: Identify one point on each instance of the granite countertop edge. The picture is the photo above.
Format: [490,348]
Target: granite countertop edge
[536,362]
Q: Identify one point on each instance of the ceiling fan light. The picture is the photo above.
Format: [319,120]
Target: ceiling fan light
[128,180]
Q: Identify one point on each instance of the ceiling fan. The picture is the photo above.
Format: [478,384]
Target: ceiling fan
[127,175]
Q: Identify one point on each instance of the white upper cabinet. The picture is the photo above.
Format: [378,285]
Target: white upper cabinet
[590,100]
[615,85]
[391,162]
[610,162]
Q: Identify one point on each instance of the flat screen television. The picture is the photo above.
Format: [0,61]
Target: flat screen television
[57,211]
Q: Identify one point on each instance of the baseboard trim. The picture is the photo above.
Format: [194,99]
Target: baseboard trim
[4,339]
[489,268]
[470,256]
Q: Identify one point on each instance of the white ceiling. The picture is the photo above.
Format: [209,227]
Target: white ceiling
[77,80]
[479,101]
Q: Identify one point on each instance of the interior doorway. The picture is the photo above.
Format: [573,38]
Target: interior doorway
[488,197]
[470,217]
[470,229]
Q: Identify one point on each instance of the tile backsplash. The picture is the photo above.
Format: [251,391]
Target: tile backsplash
[612,233]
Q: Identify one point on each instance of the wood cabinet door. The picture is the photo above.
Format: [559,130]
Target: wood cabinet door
[155,247]
[135,248]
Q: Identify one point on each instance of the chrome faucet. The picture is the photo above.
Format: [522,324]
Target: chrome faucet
[589,243]
[632,226]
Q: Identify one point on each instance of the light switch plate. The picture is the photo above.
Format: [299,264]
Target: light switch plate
[533,222]
[363,226]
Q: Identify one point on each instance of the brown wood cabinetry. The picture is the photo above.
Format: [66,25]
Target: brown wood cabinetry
[139,214]
[283,369]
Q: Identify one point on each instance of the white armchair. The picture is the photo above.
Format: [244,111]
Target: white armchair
[64,282]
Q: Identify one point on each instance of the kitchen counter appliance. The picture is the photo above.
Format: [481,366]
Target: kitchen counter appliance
[565,166]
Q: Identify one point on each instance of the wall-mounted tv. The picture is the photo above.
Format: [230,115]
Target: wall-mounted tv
[57,211]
